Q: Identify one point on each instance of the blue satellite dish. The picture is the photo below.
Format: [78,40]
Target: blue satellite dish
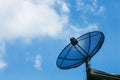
[80,50]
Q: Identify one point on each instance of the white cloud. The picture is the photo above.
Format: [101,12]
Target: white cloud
[38,62]
[25,19]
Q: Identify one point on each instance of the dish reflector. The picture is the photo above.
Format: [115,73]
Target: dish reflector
[80,50]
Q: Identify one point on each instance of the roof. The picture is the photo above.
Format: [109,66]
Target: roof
[100,75]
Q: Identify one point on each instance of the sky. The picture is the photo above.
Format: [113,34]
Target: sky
[33,33]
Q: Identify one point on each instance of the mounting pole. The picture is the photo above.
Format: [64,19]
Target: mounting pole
[87,70]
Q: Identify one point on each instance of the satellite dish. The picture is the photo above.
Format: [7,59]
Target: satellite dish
[80,50]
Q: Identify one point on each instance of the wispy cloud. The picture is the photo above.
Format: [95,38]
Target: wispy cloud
[38,62]
[3,64]
[84,8]
[63,6]
[35,59]
[90,6]
[77,31]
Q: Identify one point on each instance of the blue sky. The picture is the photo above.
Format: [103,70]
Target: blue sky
[33,33]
